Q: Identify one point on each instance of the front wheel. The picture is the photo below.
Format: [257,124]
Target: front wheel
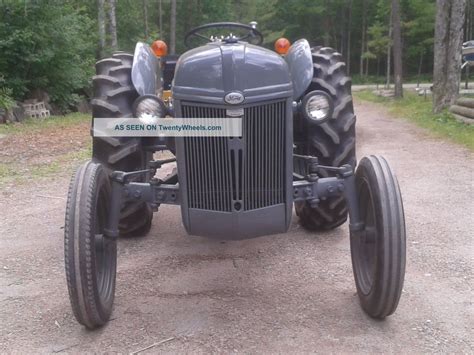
[378,251]
[90,257]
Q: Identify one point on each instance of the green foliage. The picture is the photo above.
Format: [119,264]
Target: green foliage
[52,44]
[379,40]
[419,110]
[190,13]
[46,45]
[419,27]
[301,19]
[329,23]
[6,100]
[130,27]
[6,96]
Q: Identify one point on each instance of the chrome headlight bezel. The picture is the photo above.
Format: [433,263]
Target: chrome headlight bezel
[149,107]
[322,110]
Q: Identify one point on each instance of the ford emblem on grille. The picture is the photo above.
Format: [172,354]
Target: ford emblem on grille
[234,98]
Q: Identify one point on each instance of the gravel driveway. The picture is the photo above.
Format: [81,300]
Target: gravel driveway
[291,292]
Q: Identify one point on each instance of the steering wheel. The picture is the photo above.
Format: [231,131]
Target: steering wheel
[253,33]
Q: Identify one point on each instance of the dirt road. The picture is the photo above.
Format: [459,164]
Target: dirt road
[286,293]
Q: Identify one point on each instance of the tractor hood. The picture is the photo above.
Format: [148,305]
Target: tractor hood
[210,72]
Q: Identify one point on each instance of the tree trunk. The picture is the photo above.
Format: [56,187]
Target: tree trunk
[101,23]
[111,25]
[420,63]
[458,12]
[145,18]
[397,49]
[188,15]
[467,23]
[327,26]
[447,52]
[239,8]
[342,41]
[389,52]
[160,17]
[466,84]
[366,59]
[326,35]
[468,36]
[362,45]
[348,50]
[334,35]
[173,28]
[441,45]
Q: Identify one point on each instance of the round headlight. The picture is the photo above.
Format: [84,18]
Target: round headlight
[149,108]
[317,107]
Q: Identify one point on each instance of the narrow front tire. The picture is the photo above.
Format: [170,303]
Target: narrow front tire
[379,250]
[90,256]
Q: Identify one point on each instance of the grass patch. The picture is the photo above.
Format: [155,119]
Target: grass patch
[31,124]
[38,171]
[419,110]
[7,171]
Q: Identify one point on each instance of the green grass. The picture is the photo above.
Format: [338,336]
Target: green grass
[31,124]
[7,172]
[419,110]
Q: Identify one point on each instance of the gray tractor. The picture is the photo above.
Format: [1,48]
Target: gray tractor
[297,148]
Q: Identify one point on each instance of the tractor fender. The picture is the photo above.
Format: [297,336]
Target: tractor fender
[146,73]
[300,64]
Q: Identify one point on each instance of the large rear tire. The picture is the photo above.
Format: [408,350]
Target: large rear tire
[114,95]
[90,257]
[333,142]
[379,250]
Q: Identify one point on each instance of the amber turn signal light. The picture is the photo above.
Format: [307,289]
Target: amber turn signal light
[282,45]
[159,48]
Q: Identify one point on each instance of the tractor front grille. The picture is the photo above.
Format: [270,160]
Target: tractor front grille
[232,174]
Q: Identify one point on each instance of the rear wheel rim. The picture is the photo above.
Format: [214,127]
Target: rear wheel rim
[365,242]
[104,250]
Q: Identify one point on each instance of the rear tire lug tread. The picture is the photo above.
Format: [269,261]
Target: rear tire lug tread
[333,142]
[114,97]
[103,66]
